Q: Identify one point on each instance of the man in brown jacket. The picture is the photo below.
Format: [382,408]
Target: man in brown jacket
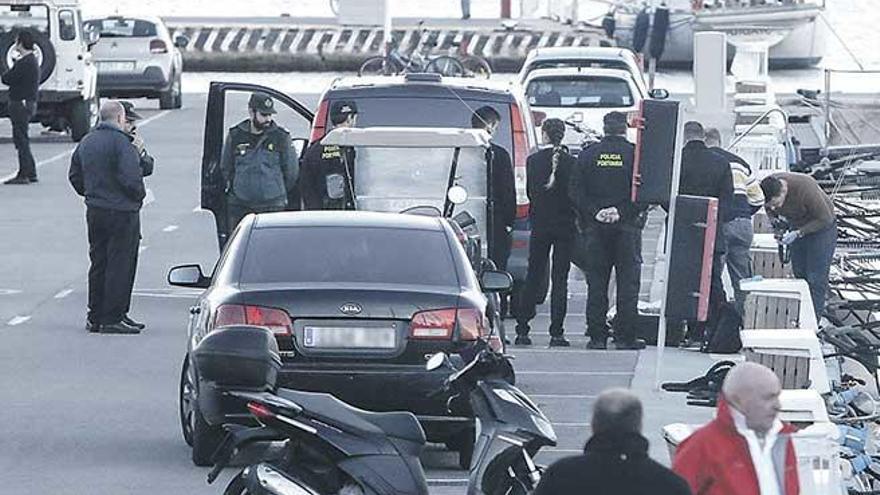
[799,200]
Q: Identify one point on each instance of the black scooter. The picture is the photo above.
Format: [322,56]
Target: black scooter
[330,447]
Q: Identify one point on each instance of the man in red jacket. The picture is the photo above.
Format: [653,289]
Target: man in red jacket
[746,449]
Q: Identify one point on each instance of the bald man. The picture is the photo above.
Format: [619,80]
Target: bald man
[105,170]
[615,460]
[746,449]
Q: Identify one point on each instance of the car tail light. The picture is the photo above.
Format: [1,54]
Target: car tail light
[158,46]
[260,411]
[319,125]
[520,153]
[433,325]
[473,324]
[440,324]
[276,320]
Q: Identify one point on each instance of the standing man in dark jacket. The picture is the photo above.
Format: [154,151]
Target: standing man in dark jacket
[257,163]
[612,228]
[327,181]
[23,80]
[705,173]
[502,197]
[548,174]
[105,170]
[615,460]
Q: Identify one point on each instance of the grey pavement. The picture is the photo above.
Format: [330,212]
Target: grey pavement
[97,414]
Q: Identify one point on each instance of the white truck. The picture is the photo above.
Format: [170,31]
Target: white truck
[68,98]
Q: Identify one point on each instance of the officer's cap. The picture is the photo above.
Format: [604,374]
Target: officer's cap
[262,103]
[340,110]
[130,114]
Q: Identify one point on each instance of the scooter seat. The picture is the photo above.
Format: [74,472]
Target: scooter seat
[396,424]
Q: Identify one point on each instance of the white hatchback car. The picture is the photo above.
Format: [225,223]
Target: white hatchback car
[136,58]
[582,96]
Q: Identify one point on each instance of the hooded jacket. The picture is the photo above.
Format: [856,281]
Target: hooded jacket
[715,460]
[612,464]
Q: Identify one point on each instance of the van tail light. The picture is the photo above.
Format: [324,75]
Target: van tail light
[440,324]
[276,320]
[158,46]
[319,125]
[520,153]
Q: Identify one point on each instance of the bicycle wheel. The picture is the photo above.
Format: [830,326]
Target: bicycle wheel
[475,66]
[445,66]
[378,66]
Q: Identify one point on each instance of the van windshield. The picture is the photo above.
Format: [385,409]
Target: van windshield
[34,17]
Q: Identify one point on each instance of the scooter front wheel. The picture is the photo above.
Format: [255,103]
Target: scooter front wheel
[237,485]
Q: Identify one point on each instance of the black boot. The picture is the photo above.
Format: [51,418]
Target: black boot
[132,323]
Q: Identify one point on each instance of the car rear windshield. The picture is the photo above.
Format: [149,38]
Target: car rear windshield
[586,92]
[562,64]
[429,112]
[34,17]
[116,27]
[355,255]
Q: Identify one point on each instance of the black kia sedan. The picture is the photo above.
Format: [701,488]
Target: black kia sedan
[358,302]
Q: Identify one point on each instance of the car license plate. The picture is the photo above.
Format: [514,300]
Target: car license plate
[116,66]
[349,338]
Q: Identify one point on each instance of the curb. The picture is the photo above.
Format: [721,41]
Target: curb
[287,45]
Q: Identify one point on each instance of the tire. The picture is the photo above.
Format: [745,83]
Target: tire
[82,116]
[445,66]
[379,66]
[173,98]
[44,50]
[476,67]
[198,434]
[237,485]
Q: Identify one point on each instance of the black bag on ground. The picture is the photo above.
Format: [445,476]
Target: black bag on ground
[722,335]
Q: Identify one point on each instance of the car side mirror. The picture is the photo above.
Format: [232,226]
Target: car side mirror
[496,281]
[538,118]
[181,41]
[457,195]
[299,145]
[188,276]
[91,35]
[658,94]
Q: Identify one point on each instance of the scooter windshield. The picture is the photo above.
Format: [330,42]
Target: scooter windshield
[394,179]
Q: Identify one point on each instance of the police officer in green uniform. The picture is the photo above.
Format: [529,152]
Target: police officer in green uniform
[327,181]
[612,228]
[257,163]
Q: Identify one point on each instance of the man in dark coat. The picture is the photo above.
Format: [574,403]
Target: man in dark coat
[705,173]
[105,169]
[327,181]
[615,460]
[23,80]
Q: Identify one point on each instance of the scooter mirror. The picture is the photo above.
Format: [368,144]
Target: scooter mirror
[436,361]
[457,195]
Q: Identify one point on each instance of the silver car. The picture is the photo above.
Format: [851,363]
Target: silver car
[137,58]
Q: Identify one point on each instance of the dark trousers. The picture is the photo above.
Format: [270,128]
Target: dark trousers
[717,298]
[619,248]
[236,211]
[811,257]
[20,114]
[113,244]
[540,245]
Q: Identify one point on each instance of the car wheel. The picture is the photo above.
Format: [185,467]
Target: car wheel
[81,117]
[201,436]
[173,98]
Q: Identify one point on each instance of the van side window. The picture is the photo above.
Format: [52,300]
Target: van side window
[66,25]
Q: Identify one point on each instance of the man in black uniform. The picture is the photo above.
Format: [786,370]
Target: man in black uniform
[23,80]
[257,163]
[612,228]
[327,181]
[706,173]
[105,170]
[131,117]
